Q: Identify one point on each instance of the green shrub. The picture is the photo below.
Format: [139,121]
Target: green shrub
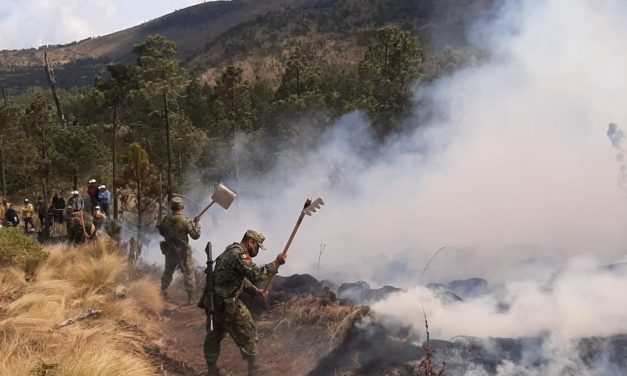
[18,249]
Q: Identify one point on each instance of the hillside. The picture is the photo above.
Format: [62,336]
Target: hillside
[255,33]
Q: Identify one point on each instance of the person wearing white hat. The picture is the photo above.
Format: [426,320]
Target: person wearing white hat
[75,202]
[99,218]
[104,198]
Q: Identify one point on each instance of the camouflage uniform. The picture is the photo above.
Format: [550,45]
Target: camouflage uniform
[175,228]
[234,272]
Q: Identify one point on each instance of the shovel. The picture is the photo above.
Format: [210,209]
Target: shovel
[223,195]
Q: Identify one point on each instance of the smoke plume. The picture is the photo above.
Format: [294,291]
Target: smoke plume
[512,173]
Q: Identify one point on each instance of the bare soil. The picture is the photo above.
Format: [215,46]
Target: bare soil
[285,348]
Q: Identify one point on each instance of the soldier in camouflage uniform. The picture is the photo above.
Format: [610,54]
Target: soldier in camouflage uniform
[234,272]
[175,228]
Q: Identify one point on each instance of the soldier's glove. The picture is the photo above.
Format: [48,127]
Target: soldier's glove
[261,292]
[280,259]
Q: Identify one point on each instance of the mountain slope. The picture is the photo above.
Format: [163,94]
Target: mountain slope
[210,35]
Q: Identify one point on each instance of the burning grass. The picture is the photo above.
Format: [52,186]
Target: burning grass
[71,281]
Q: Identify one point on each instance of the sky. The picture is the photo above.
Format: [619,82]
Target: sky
[32,23]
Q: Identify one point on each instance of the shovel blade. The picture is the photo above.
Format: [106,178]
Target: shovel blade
[223,195]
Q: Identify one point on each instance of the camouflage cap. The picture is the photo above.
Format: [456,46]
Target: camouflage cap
[256,236]
[176,203]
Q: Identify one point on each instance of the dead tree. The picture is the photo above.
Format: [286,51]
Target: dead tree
[53,86]
[4,180]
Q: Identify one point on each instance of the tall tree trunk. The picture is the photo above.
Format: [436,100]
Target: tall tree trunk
[74,173]
[4,96]
[160,199]
[180,170]
[46,177]
[167,142]
[53,86]
[297,81]
[139,200]
[4,180]
[235,131]
[113,162]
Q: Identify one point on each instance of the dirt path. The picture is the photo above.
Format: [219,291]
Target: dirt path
[284,350]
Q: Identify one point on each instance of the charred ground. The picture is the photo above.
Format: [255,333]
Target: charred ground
[311,327]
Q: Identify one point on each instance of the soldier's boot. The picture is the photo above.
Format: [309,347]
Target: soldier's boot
[214,370]
[253,367]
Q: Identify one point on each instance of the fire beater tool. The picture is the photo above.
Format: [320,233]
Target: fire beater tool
[309,208]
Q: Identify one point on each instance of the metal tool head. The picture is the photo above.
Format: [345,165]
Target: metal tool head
[223,195]
[313,206]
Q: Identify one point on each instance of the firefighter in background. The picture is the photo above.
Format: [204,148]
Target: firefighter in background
[176,228]
[27,216]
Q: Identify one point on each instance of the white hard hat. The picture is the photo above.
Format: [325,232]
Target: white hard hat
[102,186]
[74,192]
[92,180]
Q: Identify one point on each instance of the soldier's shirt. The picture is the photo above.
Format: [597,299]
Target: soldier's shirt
[177,227]
[235,270]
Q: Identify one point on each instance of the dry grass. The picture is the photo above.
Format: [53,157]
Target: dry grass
[331,316]
[69,282]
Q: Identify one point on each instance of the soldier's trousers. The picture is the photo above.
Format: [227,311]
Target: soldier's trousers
[238,323]
[171,262]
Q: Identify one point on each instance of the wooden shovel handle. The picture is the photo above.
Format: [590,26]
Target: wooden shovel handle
[266,289]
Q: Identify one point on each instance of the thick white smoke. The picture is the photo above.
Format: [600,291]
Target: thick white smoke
[581,301]
[514,174]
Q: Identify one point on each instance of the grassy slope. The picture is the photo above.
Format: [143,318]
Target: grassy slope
[71,281]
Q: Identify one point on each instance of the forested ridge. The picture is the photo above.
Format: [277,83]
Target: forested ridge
[155,124]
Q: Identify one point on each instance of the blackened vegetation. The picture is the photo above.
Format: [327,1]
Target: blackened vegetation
[369,351]
[366,347]
[605,352]
[361,293]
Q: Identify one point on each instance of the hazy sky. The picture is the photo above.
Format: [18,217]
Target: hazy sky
[31,23]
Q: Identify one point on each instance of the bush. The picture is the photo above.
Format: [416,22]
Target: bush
[17,249]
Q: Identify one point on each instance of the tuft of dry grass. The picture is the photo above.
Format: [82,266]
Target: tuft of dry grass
[71,281]
[12,282]
[332,316]
[97,274]
[144,293]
